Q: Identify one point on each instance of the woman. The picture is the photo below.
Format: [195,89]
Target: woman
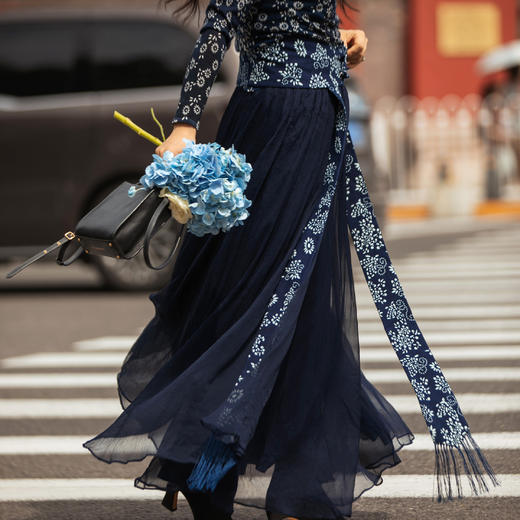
[250,367]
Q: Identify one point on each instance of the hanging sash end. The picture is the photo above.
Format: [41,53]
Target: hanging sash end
[452,461]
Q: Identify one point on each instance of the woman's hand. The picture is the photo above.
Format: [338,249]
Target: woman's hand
[356,43]
[174,142]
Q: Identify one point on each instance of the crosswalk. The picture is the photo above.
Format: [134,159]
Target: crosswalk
[465,297]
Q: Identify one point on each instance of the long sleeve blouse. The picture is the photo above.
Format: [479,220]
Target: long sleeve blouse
[272,36]
[214,40]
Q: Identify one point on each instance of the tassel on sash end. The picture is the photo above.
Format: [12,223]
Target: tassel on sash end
[447,465]
[216,460]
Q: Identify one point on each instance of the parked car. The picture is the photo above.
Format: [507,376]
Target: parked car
[62,74]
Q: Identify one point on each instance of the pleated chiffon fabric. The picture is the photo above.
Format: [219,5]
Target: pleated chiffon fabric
[325,434]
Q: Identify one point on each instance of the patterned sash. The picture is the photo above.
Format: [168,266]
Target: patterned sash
[312,65]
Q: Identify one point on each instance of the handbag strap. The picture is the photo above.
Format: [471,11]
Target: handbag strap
[63,242]
[73,257]
[150,230]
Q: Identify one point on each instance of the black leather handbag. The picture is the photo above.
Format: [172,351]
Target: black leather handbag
[119,226]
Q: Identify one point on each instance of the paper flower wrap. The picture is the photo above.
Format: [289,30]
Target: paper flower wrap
[210,178]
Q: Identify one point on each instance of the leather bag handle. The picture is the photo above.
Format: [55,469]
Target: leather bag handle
[149,233]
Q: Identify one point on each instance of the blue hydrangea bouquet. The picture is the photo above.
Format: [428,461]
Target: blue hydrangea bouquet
[205,183]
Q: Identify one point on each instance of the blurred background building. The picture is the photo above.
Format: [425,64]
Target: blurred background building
[445,125]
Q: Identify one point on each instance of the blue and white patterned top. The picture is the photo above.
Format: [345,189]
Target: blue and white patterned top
[292,43]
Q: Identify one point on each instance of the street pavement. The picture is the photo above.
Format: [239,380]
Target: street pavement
[63,339]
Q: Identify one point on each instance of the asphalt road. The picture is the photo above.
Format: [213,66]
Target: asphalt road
[463,284]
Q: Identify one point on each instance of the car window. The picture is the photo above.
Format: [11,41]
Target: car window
[40,58]
[56,57]
[133,54]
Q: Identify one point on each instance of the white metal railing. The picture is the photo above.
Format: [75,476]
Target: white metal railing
[448,150]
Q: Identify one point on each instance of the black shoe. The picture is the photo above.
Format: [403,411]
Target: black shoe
[169,500]
[202,508]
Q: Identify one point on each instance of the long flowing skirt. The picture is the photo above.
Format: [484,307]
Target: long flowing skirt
[325,434]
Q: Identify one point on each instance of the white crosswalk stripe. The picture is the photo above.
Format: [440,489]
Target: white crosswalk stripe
[38,490]
[368,354]
[107,380]
[448,313]
[108,407]
[72,444]
[465,298]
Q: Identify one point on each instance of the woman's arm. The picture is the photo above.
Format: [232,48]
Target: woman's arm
[214,40]
[356,42]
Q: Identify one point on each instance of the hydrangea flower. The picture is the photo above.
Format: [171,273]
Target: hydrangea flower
[211,178]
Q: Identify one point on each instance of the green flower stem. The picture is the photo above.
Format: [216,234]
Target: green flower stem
[137,129]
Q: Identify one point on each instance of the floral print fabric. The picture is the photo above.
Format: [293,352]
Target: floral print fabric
[277,41]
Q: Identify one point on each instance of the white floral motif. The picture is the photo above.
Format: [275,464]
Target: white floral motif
[300,48]
[367,238]
[275,319]
[378,290]
[320,57]
[427,412]
[273,54]
[403,338]
[329,173]
[398,310]
[291,75]
[435,366]
[373,265]
[441,384]
[415,364]
[360,183]
[327,198]
[258,73]
[421,388]
[293,270]
[308,246]
[341,122]
[258,349]
[318,81]
[235,395]
[446,407]
[455,433]
[396,287]
[254,367]
[290,295]
[361,209]
[317,223]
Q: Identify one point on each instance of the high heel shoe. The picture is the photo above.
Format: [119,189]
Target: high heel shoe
[170,498]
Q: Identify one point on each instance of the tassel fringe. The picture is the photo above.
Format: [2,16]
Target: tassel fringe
[475,465]
[216,460]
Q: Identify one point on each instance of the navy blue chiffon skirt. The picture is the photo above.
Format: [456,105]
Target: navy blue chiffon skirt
[325,434]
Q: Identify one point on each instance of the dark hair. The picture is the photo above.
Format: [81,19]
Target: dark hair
[191,7]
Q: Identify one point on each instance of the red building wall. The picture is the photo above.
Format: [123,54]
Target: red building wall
[430,73]
[404,45]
